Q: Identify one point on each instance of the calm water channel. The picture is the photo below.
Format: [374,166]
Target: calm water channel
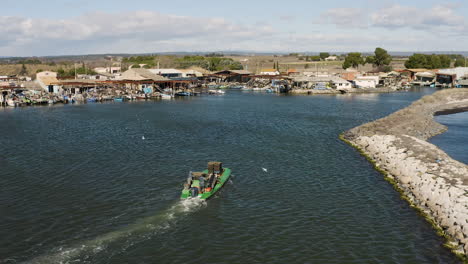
[455,140]
[79,184]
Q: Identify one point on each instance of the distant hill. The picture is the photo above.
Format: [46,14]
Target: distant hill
[226,53]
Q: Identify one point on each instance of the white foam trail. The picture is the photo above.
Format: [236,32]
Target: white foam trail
[146,227]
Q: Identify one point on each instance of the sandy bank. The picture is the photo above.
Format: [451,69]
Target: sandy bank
[430,179]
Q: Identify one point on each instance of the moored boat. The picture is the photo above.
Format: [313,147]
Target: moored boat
[11,102]
[183,94]
[204,185]
[216,92]
[236,87]
[166,96]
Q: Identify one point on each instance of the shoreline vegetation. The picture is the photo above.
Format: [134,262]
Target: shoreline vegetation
[429,179]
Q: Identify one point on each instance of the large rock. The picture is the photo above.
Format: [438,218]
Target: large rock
[432,180]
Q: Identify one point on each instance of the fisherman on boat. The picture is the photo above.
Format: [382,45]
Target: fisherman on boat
[201,180]
[205,184]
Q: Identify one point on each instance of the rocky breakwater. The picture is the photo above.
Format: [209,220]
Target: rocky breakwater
[426,176]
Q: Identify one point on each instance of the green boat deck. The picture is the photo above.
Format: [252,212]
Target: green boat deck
[196,183]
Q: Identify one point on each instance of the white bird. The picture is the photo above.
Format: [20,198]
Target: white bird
[265,170]
[143,137]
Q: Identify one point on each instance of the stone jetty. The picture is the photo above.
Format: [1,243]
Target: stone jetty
[426,176]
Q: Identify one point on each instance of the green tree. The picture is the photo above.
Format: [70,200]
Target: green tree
[61,73]
[382,57]
[416,61]
[387,68]
[434,62]
[445,61]
[315,58]
[135,66]
[428,61]
[460,62]
[370,59]
[353,59]
[324,55]
[23,71]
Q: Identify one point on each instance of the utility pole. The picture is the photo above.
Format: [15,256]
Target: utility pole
[74,64]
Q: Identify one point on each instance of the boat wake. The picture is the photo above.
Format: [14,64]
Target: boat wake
[139,231]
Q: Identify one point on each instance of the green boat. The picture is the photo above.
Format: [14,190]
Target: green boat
[206,183]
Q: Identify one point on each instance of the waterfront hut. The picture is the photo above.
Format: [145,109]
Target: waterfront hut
[241,76]
[460,72]
[168,73]
[47,80]
[412,73]
[366,81]
[139,79]
[424,78]
[446,79]
[392,78]
[463,82]
[139,74]
[321,83]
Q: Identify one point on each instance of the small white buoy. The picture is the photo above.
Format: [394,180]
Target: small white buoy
[143,137]
[265,170]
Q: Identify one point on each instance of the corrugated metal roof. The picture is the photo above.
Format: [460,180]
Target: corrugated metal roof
[140,74]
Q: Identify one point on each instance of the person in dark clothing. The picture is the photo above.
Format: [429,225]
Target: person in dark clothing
[202,184]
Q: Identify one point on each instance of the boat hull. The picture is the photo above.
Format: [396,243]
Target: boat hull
[206,195]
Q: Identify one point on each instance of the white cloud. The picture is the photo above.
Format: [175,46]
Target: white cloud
[419,18]
[344,17]
[422,18]
[122,32]
[145,31]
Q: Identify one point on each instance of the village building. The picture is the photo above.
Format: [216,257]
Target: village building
[47,80]
[331,58]
[349,76]
[186,73]
[233,75]
[392,78]
[99,76]
[168,73]
[293,72]
[424,78]
[445,79]
[146,80]
[269,72]
[412,73]
[140,74]
[366,81]
[321,83]
[108,70]
[463,82]
[460,72]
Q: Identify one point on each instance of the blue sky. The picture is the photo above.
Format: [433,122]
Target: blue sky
[56,27]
